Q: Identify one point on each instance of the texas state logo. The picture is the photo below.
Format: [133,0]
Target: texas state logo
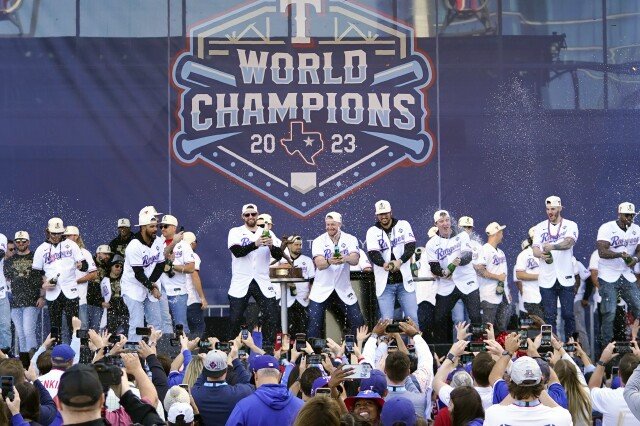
[302,101]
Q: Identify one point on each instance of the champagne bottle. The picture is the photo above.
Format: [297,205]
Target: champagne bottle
[265,233]
[549,261]
[168,268]
[451,267]
[500,288]
[336,251]
[414,268]
[54,280]
[628,260]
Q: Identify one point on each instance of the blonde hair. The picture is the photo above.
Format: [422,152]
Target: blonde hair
[194,369]
[577,394]
[319,411]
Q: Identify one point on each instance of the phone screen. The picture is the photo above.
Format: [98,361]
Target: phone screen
[82,334]
[349,342]
[301,341]
[546,335]
[55,332]
[143,331]
[522,334]
[6,383]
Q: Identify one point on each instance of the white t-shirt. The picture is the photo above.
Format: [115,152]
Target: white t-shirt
[486,395]
[561,269]
[183,255]
[51,381]
[253,266]
[527,262]
[378,240]
[621,241]
[3,281]
[495,262]
[335,277]
[426,290]
[303,288]
[580,270]
[82,287]
[444,251]
[192,295]
[139,254]
[513,415]
[614,409]
[59,259]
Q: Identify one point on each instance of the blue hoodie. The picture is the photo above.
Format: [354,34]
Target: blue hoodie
[269,405]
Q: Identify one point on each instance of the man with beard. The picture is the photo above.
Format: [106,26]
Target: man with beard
[494,291]
[449,256]
[26,302]
[390,245]
[298,297]
[119,243]
[196,300]
[251,250]
[553,243]
[332,253]
[619,250]
[94,292]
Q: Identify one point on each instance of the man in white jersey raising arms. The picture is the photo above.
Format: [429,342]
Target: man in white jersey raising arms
[251,250]
[618,248]
[553,243]
[449,256]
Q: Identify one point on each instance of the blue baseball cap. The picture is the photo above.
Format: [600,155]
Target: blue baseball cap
[366,394]
[377,382]
[264,361]
[320,382]
[398,409]
[62,353]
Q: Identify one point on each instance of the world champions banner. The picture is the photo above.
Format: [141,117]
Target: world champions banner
[307,117]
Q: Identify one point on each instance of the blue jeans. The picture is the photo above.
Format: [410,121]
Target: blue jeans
[387,302]
[94,317]
[165,314]
[550,298]
[83,316]
[5,323]
[178,307]
[24,320]
[195,318]
[351,313]
[138,312]
[609,292]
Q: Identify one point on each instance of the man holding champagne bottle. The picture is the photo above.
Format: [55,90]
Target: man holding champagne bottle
[493,275]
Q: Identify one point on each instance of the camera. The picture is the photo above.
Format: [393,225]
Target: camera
[223,346]
[622,348]
[394,327]
[6,384]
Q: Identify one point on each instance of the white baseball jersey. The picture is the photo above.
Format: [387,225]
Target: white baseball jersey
[3,281]
[444,251]
[192,294]
[303,288]
[476,246]
[59,259]
[378,240]
[426,290]
[594,261]
[138,253]
[584,274]
[363,262]
[183,255]
[82,287]
[561,269]
[253,266]
[527,262]
[335,277]
[610,270]
[495,262]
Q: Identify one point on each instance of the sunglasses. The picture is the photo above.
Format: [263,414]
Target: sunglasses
[117,265]
[21,241]
[56,233]
[250,214]
[165,226]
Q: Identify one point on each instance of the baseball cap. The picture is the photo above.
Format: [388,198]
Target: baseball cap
[189,237]
[266,218]
[146,219]
[103,249]
[124,222]
[432,231]
[465,221]
[627,208]
[494,228]
[398,409]
[71,230]
[532,232]
[149,210]
[377,382]
[178,409]
[117,259]
[337,217]
[461,378]
[55,225]
[21,235]
[320,382]
[525,371]
[366,394]
[167,219]
[437,215]
[175,395]
[80,386]
[524,244]
[62,353]
[553,201]
[383,206]
[263,361]
[215,363]
[249,208]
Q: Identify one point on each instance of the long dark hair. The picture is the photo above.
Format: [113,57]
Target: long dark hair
[467,405]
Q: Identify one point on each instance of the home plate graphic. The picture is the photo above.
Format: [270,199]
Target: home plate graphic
[302,101]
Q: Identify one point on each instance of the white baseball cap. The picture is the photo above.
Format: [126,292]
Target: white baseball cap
[124,222]
[146,219]
[103,249]
[432,231]
[532,231]
[180,409]
[335,216]
[149,210]
[189,237]
[215,362]
[465,221]
[494,228]
[437,215]
[383,206]
[525,371]
[266,218]
[524,244]
[21,235]
[553,201]
[249,208]
[71,230]
[55,225]
[167,219]
[627,208]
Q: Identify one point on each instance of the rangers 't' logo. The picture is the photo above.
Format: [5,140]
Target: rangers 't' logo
[302,114]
